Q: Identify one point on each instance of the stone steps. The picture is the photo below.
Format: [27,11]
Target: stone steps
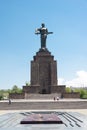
[42,96]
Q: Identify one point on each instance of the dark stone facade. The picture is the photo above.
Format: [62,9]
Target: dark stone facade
[44,74]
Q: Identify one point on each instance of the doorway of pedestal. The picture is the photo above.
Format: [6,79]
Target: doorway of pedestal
[44,91]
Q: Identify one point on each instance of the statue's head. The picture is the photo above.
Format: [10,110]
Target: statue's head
[43,25]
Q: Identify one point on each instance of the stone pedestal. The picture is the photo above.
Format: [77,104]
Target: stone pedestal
[43,74]
[44,71]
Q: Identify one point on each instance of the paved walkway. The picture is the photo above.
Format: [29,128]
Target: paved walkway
[44,100]
[23,105]
[81,111]
[72,120]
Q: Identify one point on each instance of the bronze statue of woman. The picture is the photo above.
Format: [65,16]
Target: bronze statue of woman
[43,34]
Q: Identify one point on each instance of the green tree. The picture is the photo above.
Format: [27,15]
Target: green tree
[82,91]
[68,89]
[16,89]
[2,94]
[1,97]
[27,83]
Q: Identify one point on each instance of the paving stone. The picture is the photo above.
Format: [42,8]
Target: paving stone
[71,120]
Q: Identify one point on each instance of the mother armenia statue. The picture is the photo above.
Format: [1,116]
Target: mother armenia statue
[43,34]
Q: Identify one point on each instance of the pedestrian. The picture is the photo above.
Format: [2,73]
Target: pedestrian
[57,98]
[9,101]
[54,98]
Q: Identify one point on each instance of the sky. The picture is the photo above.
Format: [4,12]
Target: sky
[67,19]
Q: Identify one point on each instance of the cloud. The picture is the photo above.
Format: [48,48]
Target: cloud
[61,81]
[79,81]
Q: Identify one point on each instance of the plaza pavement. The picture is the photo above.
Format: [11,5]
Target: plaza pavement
[44,100]
[81,111]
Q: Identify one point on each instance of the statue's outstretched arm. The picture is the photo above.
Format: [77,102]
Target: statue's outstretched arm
[37,31]
[50,32]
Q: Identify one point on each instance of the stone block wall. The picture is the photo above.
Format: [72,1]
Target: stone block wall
[28,95]
[58,89]
[31,89]
[17,95]
[71,95]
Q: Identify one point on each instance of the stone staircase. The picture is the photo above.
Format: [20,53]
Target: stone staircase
[42,96]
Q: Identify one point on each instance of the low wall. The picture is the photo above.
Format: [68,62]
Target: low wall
[43,96]
[71,95]
[16,95]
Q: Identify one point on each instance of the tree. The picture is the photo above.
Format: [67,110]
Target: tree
[1,97]
[68,89]
[27,83]
[82,91]
[16,89]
